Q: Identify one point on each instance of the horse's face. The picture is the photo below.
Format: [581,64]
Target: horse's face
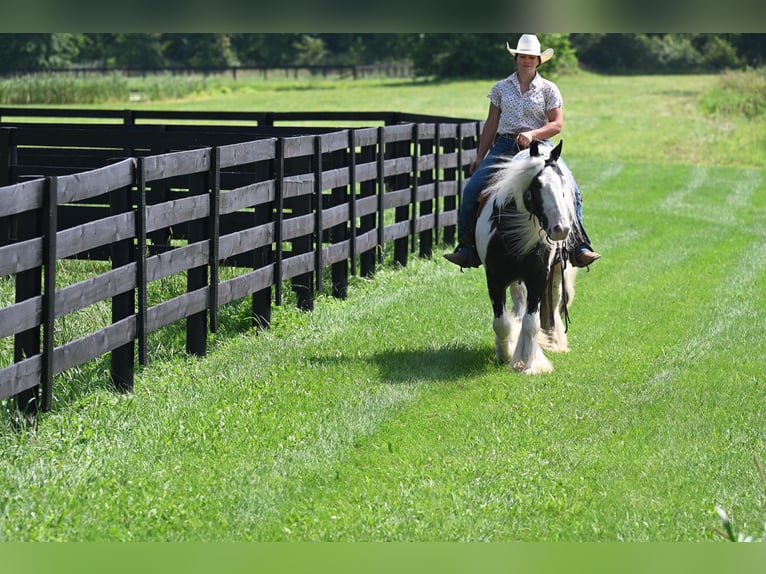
[548,196]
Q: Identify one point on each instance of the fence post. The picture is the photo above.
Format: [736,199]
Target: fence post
[214,227]
[7,155]
[50,224]
[401,213]
[141,278]
[302,285]
[352,198]
[318,212]
[414,181]
[381,192]
[122,367]
[437,180]
[128,118]
[279,181]
[367,222]
[7,159]
[426,237]
[339,233]
[25,226]
[452,174]
[197,277]
[261,300]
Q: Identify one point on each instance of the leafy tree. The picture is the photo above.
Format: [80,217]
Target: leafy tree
[480,55]
[718,53]
[750,47]
[310,51]
[667,53]
[137,51]
[199,50]
[38,52]
[265,49]
[674,52]
[432,55]
[612,53]
[363,49]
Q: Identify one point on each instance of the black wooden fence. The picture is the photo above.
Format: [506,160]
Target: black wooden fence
[267,204]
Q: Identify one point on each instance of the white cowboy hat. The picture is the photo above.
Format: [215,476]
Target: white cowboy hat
[529,44]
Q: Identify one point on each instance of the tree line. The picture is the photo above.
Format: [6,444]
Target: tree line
[446,55]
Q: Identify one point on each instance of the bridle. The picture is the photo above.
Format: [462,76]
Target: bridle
[561,258]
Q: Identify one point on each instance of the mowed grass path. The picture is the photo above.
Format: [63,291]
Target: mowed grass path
[385,417]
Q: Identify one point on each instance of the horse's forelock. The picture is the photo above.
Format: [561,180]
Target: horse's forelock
[512,177]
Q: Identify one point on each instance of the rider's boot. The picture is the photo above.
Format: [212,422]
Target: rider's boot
[464,256]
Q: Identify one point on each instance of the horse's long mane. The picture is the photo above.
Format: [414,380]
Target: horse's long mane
[505,195]
[512,178]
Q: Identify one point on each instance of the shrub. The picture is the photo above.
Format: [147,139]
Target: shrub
[737,93]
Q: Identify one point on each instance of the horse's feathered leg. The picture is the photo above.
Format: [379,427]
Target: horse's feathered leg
[501,323]
[519,297]
[558,296]
[528,357]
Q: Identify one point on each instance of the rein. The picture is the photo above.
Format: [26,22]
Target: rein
[560,258]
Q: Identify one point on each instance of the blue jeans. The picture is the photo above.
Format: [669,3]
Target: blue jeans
[473,187]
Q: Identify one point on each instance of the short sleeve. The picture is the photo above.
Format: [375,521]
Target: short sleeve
[494,95]
[553,97]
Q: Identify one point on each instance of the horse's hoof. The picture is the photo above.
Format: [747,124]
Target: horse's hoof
[538,369]
[518,366]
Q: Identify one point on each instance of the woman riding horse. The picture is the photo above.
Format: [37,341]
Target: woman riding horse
[524,107]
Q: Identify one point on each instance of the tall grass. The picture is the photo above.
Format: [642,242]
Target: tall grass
[66,89]
[737,94]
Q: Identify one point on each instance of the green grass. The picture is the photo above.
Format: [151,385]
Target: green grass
[643,118]
[385,417]
[679,119]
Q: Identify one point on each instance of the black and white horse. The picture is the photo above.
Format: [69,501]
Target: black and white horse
[523,230]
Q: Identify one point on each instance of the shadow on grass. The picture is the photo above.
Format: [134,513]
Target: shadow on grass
[444,364]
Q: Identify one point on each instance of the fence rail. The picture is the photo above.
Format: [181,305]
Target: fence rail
[267,205]
[355,71]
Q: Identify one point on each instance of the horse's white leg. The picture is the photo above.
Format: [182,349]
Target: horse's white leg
[553,336]
[528,357]
[502,327]
[519,297]
[570,274]
[501,323]
[507,326]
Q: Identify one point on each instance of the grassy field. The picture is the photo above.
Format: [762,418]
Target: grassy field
[385,417]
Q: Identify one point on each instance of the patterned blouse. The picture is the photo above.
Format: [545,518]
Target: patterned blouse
[522,112]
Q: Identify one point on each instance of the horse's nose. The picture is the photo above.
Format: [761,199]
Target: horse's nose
[559,232]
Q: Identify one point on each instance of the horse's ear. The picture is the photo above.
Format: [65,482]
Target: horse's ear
[556,152]
[534,148]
